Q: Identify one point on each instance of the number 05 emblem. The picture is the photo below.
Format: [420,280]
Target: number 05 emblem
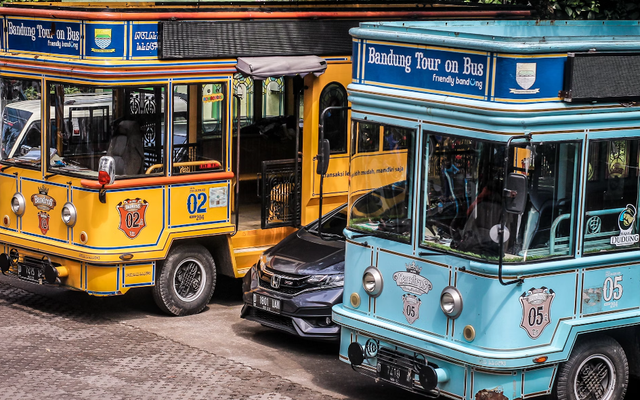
[132,216]
[536,310]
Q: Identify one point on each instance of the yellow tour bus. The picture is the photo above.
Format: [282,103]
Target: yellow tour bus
[160,146]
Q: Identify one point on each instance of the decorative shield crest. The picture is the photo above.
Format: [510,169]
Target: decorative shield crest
[525,74]
[43,222]
[132,216]
[42,201]
[411,307]
[536,310]
[103,38]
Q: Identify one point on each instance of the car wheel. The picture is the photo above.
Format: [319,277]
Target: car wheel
[596,370]
[186,280]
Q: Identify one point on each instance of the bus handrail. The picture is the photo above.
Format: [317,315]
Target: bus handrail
[210,163]
[159,180]
[560,218]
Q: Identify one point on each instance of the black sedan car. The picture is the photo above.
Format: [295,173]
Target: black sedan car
[295,283]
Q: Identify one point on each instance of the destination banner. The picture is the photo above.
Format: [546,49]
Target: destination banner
[144,39]
[43,36]
[105,40]
[440,71]
[519,79]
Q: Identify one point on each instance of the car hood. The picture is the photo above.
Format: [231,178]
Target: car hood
[303,253]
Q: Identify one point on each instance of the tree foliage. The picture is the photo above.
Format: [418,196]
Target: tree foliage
[577,9]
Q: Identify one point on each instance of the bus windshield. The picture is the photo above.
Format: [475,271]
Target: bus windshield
[380,200]
[463,198]
[13,123]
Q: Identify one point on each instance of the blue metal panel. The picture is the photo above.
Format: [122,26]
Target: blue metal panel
[43,36]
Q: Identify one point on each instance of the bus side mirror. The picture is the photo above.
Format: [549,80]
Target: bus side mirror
[324,153]
[515,193]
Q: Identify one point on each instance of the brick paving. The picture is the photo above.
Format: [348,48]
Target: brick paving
[50,350]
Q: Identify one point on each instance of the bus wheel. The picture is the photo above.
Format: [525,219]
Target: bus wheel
[597,369]
[186,280]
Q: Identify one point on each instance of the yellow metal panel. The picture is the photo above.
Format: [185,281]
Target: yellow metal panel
[42,213]
[197,204]
[138,275]
[128,219]
[7,188]
[102,281]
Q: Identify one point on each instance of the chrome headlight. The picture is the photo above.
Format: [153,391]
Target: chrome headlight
[18,204]
[372,281]
[326,280]
[69,214]
[451,302]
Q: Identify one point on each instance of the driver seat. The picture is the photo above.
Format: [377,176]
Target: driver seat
[126,148]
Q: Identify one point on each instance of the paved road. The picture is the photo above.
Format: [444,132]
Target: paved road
[55,343]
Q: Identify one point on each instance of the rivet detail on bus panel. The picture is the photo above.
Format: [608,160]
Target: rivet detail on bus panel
[84,237]
[469,333]
[6,221]
[355,300]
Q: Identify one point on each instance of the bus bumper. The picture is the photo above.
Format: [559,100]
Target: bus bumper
[98,280]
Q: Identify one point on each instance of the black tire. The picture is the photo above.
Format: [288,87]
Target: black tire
[599,360]
[185,281]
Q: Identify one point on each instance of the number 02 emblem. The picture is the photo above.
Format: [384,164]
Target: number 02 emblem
[536,310]
[132,216]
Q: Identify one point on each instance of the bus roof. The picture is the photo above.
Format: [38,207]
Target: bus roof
[513,36]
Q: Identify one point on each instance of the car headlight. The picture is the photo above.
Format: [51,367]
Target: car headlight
[372,281]
[263,262]
[18,204]
[69,214]
[451,302]
[326,280]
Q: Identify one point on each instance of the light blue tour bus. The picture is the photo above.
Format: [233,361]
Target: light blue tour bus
[505,261]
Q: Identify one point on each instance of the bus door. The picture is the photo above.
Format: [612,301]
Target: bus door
[269,115]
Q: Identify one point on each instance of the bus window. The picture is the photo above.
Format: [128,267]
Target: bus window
[198,140]
[273,97]
[335,121]
[395,138]
[368,137]
[243,88]
[20,101]
[386,209]
[464,202]
[88,122]
[612,200]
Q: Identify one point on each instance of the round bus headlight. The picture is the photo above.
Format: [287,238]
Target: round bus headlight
[18,204]
[69,214]
[451,302]
[372,281]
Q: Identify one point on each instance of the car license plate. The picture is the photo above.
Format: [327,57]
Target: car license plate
[266,303]
[30,273]
[395,374]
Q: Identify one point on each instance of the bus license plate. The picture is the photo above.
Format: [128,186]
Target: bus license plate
[30,273]
[395,374]
[266,303]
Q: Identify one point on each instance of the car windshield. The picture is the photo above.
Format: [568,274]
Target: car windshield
[332,225]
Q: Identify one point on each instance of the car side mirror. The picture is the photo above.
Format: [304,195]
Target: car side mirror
[324,152]
[24,149]
[515,193]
